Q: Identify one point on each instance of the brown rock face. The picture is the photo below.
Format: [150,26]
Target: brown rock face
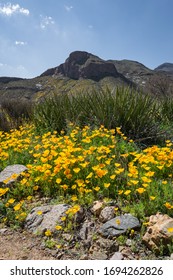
[81,64]
[159,232]
[98,70]
[85,65]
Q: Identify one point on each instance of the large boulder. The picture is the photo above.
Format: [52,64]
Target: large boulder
[45,217]
[119,225]
[11,173]
[159,232]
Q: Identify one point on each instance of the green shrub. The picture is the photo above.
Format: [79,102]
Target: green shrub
[167,108]
[136,113]
[13,113]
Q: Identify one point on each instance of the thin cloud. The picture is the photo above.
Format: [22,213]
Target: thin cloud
[9,10]
[20,43]
[68,8]
[46,21]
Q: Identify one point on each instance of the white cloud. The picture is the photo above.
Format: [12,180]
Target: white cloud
[68,8]
[9,10]
[20,43]
[46,21]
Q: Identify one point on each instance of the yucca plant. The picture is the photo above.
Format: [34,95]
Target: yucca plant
[50,113]
[136,113]
[167,108]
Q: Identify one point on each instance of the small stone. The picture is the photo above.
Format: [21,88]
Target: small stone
[127,253]
[79,216]
[3,230]
[99,255]
[54,252]
[24,257]
[129,242]
[97,207]
[107,245]
[84,257]
[86,230]
[117,256]
[107,214]
[67,236]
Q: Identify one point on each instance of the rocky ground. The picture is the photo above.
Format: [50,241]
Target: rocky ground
[102,231]
[85,243]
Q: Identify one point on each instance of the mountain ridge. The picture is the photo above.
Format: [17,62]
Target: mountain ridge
[81,71]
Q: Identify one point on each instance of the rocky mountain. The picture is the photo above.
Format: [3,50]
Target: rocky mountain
[165,67]
[133,71]
[81,71]
[83,65]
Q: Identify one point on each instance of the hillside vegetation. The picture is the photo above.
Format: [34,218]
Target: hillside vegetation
[79,148]
[86,140]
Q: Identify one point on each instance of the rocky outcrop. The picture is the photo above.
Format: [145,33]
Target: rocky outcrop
[84,65]
[159,232]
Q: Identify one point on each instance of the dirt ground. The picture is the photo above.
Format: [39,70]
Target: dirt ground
[16,245]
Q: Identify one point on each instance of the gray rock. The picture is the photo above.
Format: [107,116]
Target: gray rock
[127,254]
[119,225]
[79,216]
[67,236]
[98,255]
[11,170]
[107,214]
[107,245]
[117,256]
[3,231]
[129,242]
[84,257]
[86,230]
[50,217]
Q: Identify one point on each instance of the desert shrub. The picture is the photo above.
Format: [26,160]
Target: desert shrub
[167,108]
[136,113]
[14,113]
[50,114]
[5,120]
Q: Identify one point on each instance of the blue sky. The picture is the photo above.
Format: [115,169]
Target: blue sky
[39,34]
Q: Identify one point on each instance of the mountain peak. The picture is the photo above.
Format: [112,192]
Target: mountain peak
[81,64]
[165,67]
